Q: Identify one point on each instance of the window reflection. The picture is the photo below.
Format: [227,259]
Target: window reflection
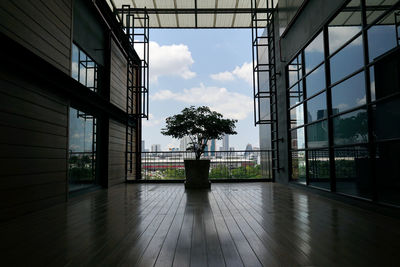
[350,93]
[314,53]
[299,166]
[386,113]
[317,134]
[382,37]
[318,168]
[344,26]
[348,60]
[353,176]
[84,69]
[316,108]
[315,81]
[351,128]
[389,169]
[82,150]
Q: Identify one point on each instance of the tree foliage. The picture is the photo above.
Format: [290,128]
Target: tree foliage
[200,124]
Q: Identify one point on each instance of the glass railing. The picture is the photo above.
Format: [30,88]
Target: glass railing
[169,165]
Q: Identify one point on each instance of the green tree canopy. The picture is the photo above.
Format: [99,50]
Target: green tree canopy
[200,124]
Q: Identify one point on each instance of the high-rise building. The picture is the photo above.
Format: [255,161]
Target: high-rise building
[225,142]
[155,148]
[210,148]
[184,143]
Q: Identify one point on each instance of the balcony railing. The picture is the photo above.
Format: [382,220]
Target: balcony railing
[169,165]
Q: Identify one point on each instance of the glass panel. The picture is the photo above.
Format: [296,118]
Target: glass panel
[84,69]
[372,83]
[82,150]
[298,140]
[317,134]
[74,62]
[382,37]
[386,75]
[295,70]
[388,168]
[318,168]
[315,81]
[353,175]
[349,94]
[348,60]
[314,53]
[344,26]
[316,108]
[299,166]
[265,110]
[296,94]
[375,8]
[387,118]
[351,128]
[297,116]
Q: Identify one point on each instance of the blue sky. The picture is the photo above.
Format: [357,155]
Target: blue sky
[200,67]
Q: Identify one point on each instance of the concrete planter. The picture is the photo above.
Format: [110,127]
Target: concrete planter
[197,174]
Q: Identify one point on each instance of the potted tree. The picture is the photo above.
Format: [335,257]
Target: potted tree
[200,125]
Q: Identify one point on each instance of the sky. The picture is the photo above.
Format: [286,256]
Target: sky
[200,67]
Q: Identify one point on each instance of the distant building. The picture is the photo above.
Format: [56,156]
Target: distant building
[156,148]
[143,147]
[184,143]
[248,150]
[210,148]
[225,143]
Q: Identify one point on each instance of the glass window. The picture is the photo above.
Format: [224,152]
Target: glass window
[297,137]
[295,70]
[299,166]
[387,119]
[388,169]
[318,168]
[353,175]
[351,128]
[265,111]
[82,150]
[316,108]
[84,69]
[317,134]
[382,37]
[348,60]
[349,94]
[344,26]
[296,94]
[315,81]
[314,53]
[372,83]
[386,75]
[297,116]
[375,8]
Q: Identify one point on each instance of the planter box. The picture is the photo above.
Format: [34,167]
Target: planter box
[197,174]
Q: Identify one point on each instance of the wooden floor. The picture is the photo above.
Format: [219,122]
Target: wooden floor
[246,224]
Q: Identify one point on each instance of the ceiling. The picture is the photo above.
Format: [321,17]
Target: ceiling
[197,13]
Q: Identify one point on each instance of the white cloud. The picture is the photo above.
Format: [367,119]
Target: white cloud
[362,101]
[223,76]
[230,104]
[244,72]
[169,60]
[152,121]
[339,35]
[342,106]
